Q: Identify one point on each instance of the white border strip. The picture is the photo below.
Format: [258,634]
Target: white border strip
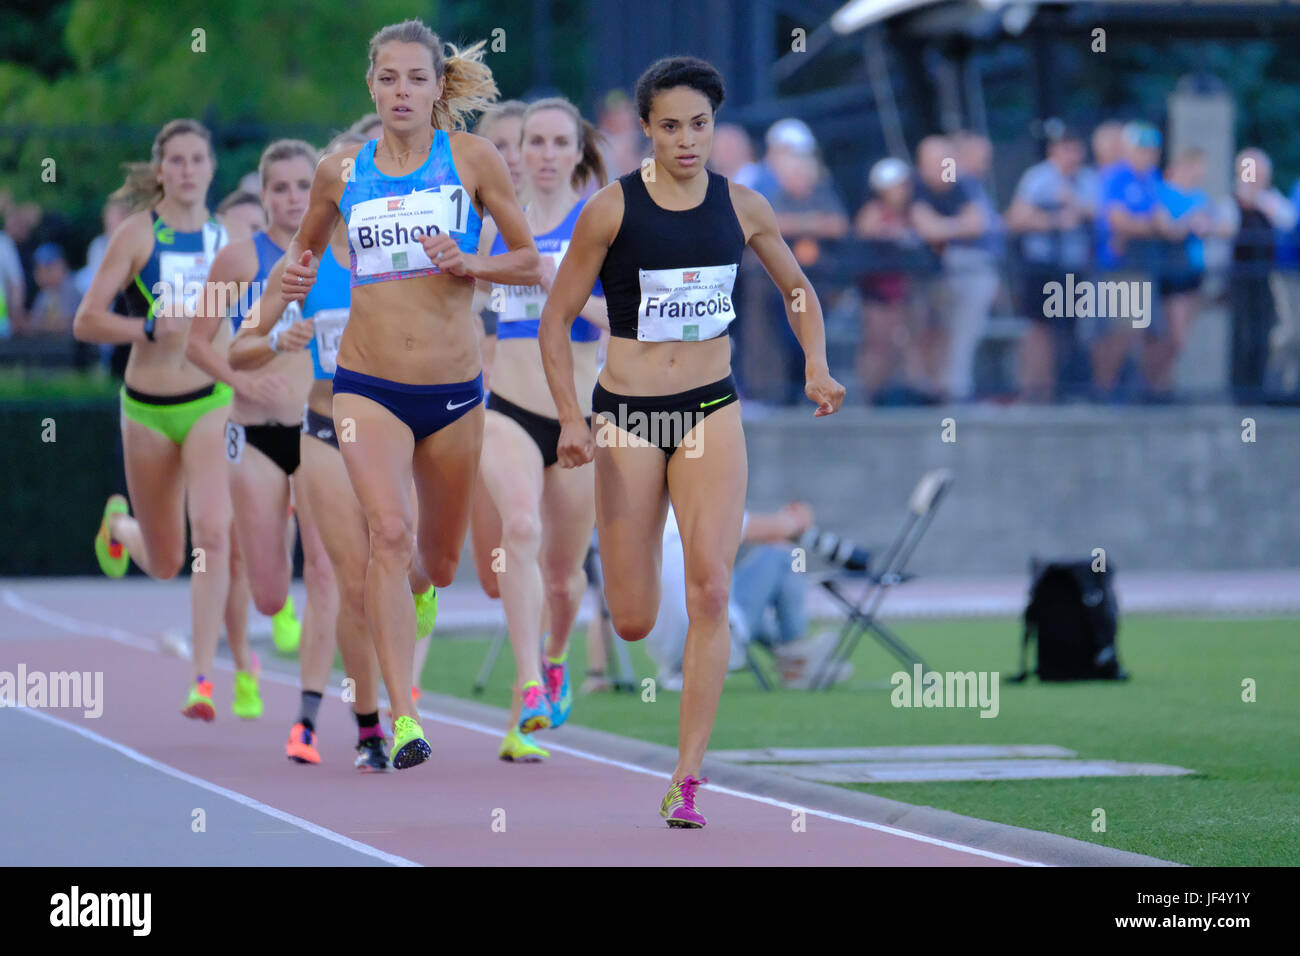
[237,797]
[123,637]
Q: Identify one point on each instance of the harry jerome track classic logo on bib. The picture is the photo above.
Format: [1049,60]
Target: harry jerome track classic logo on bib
[385,232]
[685,305]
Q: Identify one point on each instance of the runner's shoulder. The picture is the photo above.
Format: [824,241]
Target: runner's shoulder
[234,260]
[342,160]
[604,210]
[749,202]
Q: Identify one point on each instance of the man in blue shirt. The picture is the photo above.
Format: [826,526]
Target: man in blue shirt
[1127,236]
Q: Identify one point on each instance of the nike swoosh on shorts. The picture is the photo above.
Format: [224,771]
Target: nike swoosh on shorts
[452,408]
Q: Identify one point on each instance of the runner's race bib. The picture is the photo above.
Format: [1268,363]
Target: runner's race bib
[524,302]
[685,305]
[235,439]
[329,325]
[184,273]
[385,232]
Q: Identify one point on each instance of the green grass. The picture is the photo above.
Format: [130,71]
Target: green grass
[1183,707]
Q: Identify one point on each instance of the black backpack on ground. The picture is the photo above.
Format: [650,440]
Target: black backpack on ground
[1073,616]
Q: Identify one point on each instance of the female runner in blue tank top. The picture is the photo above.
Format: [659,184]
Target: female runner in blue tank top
[547,513]
[666,241]
[173,413]
[321,482]
[262,434]
[408,384]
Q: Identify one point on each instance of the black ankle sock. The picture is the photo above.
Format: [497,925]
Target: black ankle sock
[310,708]
[368,720]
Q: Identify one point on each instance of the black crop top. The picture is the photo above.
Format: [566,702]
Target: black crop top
[668,275]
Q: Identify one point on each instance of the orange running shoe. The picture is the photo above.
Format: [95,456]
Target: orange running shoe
[198,706]
[302,745]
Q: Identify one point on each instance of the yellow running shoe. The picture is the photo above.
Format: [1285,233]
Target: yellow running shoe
[285,629]
[426,612]
[112,555]
[519,748]
[247,703]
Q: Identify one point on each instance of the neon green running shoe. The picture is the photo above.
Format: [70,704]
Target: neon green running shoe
[426,612]
[409,746]
[519,748]
[285,629]
[112,556]
[247,703]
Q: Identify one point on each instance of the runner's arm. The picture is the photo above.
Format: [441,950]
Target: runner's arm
[571,292]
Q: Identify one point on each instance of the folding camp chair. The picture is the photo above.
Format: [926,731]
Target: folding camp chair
[862,616]
[622,677]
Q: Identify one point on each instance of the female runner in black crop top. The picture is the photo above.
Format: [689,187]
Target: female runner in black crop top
[665,242]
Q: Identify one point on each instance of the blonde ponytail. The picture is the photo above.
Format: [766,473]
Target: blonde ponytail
[468,88]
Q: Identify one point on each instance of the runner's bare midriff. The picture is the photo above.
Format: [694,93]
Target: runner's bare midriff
[664,368]
[416,331]
[295,368]
[161,368]
[518,376]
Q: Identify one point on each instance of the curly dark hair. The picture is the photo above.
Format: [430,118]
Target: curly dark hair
[676,71]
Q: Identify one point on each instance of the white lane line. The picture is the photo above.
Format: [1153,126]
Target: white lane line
[241,799]
[85,628]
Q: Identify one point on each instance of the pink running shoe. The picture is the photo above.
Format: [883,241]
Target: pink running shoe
[678,807]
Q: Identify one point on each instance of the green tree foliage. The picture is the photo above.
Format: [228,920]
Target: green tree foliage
[256,71]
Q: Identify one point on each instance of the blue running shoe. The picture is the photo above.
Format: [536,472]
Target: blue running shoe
[536,714]
[557,689]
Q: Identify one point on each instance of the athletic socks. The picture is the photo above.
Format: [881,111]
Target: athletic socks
[310,708]
[368,726]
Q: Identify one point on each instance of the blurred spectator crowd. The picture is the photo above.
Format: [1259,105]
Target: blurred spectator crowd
[932,293]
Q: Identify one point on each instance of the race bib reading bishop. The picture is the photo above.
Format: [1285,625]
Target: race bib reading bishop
[385,232]
[685,305]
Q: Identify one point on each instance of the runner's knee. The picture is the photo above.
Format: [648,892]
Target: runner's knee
[708,593]
[521,533]
[391,538]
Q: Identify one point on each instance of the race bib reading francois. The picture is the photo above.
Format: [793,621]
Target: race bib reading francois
[385,232]
[685,305]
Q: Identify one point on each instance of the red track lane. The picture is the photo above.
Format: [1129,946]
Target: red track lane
[568,810]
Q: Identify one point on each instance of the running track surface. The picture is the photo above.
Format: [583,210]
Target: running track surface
[122,789]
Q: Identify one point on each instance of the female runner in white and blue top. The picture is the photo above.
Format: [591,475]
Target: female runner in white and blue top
[408,385]
[547,513]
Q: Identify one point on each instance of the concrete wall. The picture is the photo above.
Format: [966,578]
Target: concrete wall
[1158,488]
